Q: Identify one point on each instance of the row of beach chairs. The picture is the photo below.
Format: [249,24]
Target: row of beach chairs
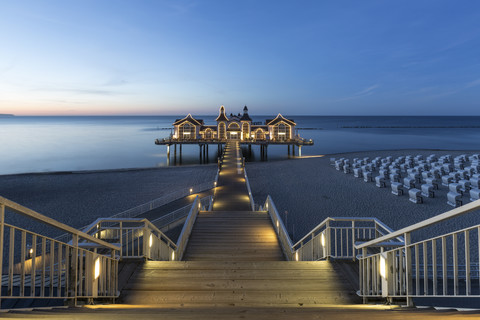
[419,176]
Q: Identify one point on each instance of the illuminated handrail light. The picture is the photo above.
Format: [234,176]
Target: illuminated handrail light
[97,268]
[383,266]
[150,241]
[322,239]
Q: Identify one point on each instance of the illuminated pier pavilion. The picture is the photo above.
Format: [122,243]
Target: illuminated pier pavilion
[240,128]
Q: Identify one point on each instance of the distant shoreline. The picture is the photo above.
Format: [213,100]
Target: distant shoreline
[6,115]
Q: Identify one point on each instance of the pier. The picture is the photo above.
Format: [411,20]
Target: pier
[238,128]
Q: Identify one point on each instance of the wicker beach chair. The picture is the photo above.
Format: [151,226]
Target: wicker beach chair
[415,196]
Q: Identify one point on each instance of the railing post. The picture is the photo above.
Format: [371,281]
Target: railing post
[363,277]
[329,243]
[353,240]
[113,274]
[408,269]
[121,241]
[74,270]
[146,241]
[2,231]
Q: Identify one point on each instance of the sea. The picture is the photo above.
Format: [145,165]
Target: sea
[80,143]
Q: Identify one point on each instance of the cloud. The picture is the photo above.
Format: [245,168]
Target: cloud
[363,93]
[81,91]
[473,84]
[444,93]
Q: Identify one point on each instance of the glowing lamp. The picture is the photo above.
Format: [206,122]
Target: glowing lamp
[191,190]
[173,255]
[150,241]
[296,256]
[31,251]
[383,267]
[277,224]
[322,239]
[97,269]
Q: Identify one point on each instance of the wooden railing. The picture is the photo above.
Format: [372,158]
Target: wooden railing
[441,266]
[36,266]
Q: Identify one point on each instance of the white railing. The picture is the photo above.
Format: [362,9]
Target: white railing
[35,266]
[252,203]
[187,229]
[164,222]
[136,211]
[441,266]
[141,238]
[154,204]
[334,237]
[283,237]
[137,237]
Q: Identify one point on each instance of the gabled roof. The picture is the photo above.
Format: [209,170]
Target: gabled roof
[190,119]
[279,118]
[221,115]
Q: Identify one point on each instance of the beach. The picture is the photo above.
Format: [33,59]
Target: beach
[304,190]
[78,198]
[308,190]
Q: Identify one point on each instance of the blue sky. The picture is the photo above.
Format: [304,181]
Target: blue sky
[296,57]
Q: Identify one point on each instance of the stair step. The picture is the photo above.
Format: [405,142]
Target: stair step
[239,297]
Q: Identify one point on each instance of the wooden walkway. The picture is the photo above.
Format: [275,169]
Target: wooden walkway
[231,193]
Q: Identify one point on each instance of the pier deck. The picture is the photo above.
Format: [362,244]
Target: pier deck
[231,193]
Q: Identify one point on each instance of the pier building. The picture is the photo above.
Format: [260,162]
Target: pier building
[235,127]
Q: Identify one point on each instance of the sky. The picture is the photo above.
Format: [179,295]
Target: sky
[114,57]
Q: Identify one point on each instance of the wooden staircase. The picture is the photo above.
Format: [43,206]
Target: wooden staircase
[234,259]
[250,283]
[233,236]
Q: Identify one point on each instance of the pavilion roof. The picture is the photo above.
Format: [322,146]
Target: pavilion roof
[278,119]
[190,119]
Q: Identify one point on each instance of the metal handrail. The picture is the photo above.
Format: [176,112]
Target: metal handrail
[165,199]
[428,268]
[38,266]
[252,203]
[19,209]
[280,229]
[187,229]
[467,208]
[327,240]
[154,204]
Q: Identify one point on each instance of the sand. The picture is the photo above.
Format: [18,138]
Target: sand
[305,191]
[310,190]
[77,199]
